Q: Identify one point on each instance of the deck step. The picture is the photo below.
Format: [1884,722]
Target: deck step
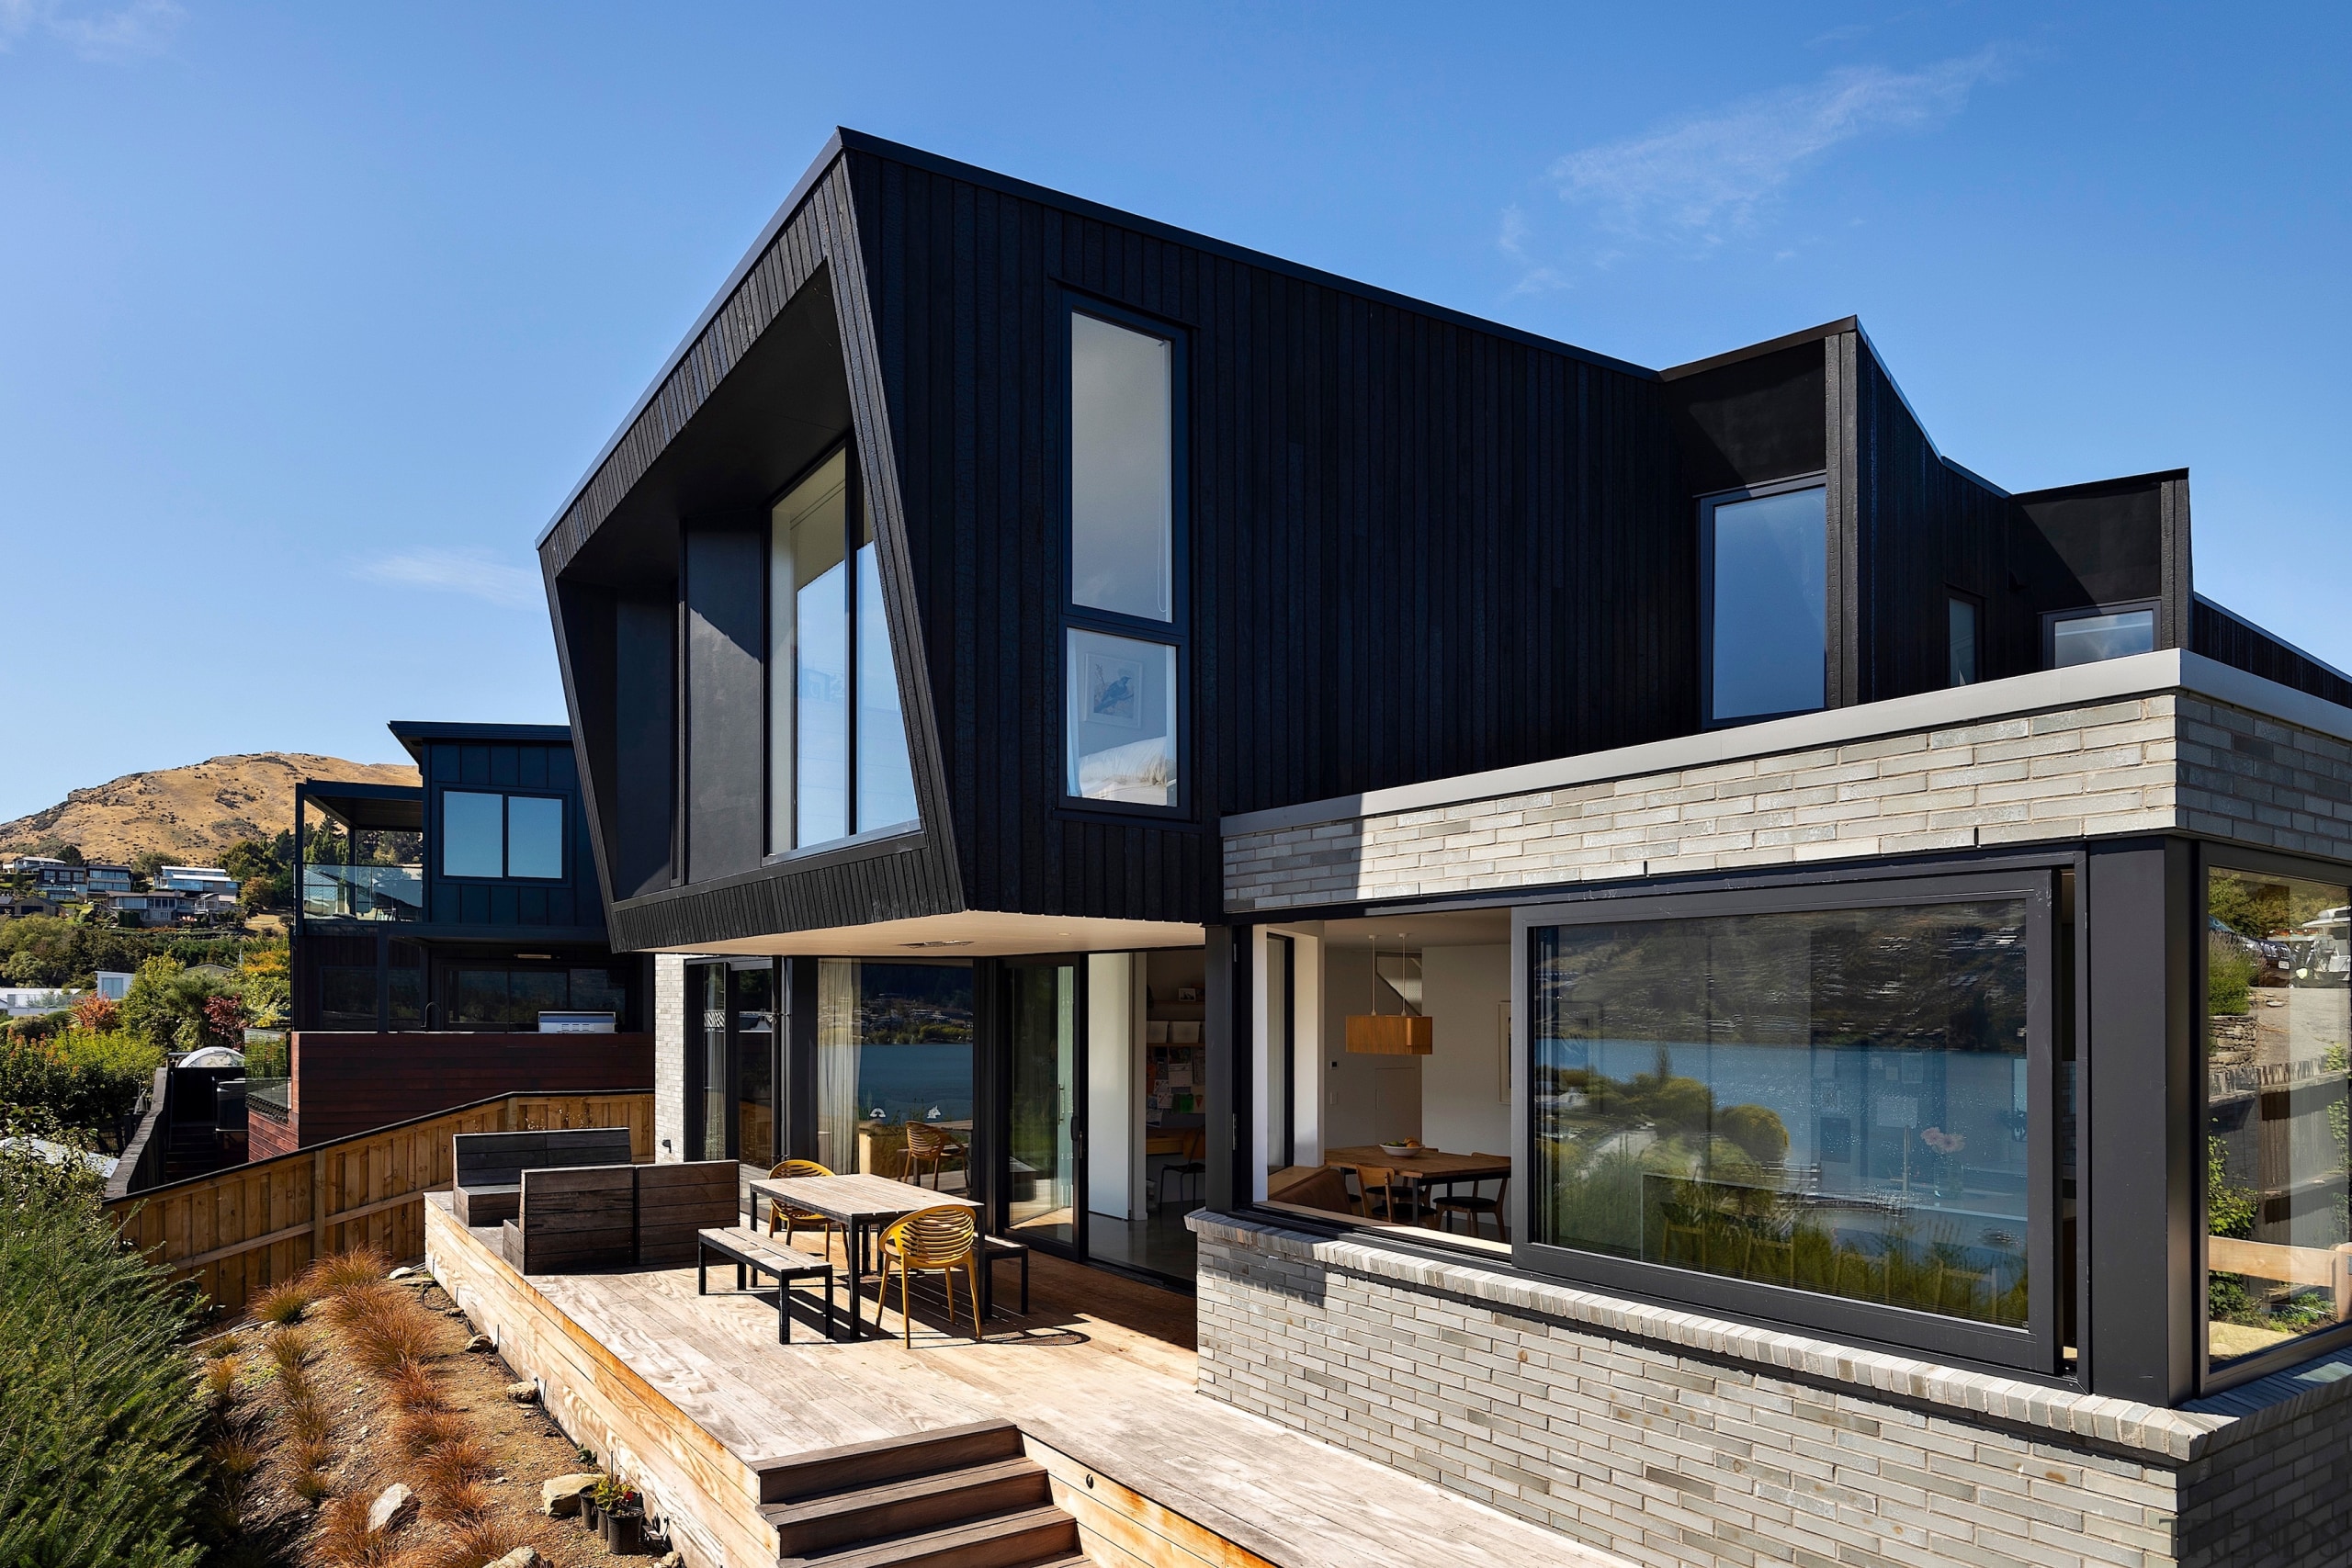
[1021,1539]
[908,1506]
[861,1465]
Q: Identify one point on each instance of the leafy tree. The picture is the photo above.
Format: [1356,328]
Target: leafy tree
[149,865]
[23,968]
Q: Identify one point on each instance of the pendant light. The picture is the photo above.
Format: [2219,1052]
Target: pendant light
[1401,1033]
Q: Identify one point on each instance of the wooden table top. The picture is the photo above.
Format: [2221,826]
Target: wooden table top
[848,1198]
[1426,1162]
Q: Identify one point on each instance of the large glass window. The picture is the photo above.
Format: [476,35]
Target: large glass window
[838,759]
[1119,707]
[1122,509]
[2277,1168]
[1767,566]
[1831,1101]
[1122,715]
[472,829]
[501,835]
[894,1048]
[2089,637]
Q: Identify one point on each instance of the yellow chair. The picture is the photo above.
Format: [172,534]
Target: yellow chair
[782,1216]
[942,1239]
[925,1142]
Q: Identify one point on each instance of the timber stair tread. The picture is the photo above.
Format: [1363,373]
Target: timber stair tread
[1027,1538]
[908,1503]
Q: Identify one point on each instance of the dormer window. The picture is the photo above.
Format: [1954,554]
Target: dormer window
[1765,562]
[2088,636]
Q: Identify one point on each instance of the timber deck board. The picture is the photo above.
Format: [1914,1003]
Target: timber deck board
[1118,1399]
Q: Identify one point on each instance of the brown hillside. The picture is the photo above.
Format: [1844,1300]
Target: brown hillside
[194,812]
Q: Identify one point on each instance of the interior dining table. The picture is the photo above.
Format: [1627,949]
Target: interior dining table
[1425,1167]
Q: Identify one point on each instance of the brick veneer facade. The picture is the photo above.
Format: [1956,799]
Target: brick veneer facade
[2171,758]
[1675,1439]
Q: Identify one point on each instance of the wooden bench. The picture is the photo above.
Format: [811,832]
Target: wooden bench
[486,1187]
[571,1218]
[995,1249]
[747,1248]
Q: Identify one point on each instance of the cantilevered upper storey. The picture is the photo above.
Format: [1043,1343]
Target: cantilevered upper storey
[982,548]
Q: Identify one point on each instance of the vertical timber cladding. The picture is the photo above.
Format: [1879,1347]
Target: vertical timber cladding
[1397,524]
[726,691]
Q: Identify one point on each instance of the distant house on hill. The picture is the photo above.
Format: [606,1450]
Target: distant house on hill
[195,879]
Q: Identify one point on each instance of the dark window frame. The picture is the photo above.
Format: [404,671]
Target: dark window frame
[440,823]
[2209,857]
[1176,631]
[2034,1348]
[1707,505]
[1975,602]
[2051,619]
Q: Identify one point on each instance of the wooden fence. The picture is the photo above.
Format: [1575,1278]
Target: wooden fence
[237,1231]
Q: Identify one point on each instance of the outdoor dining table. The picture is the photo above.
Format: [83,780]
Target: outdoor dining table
[857,1203]
[1426,1167]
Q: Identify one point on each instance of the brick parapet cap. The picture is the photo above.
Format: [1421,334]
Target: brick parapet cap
[2141,1431]
[2171,671]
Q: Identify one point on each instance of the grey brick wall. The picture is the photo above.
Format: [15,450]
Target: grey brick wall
[1674,1440]
[2159,761]
[669,1056]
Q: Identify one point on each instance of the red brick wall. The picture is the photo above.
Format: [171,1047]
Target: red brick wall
[346,1083]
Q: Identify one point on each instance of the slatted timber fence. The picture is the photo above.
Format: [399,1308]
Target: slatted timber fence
[238,1232]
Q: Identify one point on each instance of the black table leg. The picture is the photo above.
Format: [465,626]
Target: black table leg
[856,1282]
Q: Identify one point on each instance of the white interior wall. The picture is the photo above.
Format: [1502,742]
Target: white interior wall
[1464,1104]
[1114,1097]
[1366,1099]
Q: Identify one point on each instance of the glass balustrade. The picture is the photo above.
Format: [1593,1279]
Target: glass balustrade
[363,892]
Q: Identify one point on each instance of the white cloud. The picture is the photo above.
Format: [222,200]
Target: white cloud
[472,572]
[126,32]
[1699,181]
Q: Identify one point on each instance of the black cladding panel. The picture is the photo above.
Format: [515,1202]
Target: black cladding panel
[726,689]
[1753,420]
[2089,546]
[645,742]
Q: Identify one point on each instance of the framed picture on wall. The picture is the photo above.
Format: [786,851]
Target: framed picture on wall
[1114,691]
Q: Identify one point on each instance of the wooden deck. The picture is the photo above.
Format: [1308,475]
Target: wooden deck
[697,1396]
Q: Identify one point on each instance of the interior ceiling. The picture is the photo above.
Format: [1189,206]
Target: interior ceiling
[973,933]
[1456,928]
[777,411]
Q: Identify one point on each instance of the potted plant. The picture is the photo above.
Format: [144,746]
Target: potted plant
[625,1525]
[596,1500]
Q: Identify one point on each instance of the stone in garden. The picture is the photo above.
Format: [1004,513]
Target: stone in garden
[393,1508]
[480,1342]
[560,1497]
[521,1557]
[402,1272]
[524,1392]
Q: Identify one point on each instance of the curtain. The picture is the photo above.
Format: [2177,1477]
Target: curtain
[837,1047]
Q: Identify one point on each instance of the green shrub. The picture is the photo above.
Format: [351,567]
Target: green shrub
[2229,980]
[86,1082]
[99,1412]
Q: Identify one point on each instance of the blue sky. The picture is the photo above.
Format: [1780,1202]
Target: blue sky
[310,316]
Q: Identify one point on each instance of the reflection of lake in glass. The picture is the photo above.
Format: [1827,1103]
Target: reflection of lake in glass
[909,1081]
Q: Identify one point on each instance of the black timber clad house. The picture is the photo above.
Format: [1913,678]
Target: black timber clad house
[448,890]
[857,608]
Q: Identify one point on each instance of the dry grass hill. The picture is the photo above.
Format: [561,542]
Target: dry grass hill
[192,813]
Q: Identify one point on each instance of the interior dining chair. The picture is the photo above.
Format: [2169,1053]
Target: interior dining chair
[939,1240]
[1470,1206]
[1383,1191]
[784,1216]
[925,1142]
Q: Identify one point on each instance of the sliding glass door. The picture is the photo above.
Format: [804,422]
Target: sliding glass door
[1044,1185]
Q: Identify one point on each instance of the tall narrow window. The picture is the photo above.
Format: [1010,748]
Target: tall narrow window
[1120,647]
[838,756]
[1959,614]
[1766,558]
[1122,512]
[886,775]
